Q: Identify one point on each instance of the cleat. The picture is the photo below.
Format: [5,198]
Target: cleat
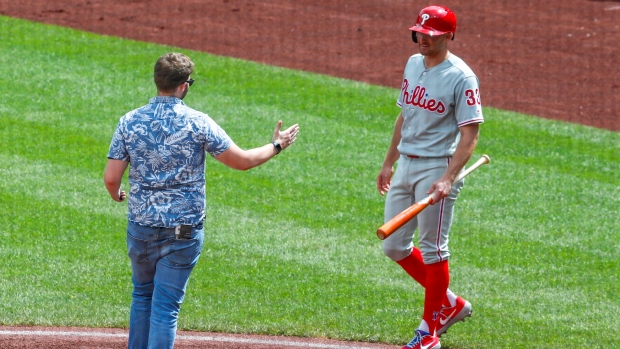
[451,315]
[423,340]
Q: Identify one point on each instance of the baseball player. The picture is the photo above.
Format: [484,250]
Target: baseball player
[434,136]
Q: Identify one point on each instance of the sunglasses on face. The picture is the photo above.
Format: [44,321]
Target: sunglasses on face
[190,82]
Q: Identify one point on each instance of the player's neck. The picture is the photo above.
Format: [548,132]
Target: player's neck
[435,60]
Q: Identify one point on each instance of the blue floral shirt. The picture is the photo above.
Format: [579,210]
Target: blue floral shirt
[165,143]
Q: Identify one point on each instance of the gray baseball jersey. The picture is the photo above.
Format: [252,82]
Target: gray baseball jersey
[435,103]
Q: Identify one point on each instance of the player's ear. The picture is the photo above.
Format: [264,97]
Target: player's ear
[414,37]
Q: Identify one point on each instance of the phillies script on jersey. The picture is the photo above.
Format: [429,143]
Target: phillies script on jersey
[418,98]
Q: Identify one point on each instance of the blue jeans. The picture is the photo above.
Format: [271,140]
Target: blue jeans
[160,266]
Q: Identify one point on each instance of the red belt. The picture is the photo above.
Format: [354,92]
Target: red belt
[413,156]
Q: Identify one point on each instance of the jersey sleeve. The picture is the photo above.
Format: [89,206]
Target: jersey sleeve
[468,107]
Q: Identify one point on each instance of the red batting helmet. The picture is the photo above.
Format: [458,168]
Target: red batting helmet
[434,20]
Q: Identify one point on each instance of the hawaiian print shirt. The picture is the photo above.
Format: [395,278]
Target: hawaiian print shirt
[165,143]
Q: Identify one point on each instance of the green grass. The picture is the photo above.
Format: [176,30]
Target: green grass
[291,246]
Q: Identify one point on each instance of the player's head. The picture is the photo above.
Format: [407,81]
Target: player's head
[171,71]
[434,20]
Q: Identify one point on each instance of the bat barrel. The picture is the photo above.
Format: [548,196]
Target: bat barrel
[399,220]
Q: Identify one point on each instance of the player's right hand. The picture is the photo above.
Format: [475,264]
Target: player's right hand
[384,179]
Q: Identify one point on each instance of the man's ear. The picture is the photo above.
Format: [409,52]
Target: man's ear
[181,87]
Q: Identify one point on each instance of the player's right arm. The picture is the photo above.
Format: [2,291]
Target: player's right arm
[385,175]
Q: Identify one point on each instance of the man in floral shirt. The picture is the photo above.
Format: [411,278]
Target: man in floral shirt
[164,143]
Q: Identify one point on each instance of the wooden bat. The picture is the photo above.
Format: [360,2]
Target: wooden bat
[400,219]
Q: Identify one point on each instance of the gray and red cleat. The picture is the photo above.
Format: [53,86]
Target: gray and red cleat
[450,316]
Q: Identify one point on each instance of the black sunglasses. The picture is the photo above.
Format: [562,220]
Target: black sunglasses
[190,82]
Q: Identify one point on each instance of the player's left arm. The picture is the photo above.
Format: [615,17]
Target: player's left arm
[464,150]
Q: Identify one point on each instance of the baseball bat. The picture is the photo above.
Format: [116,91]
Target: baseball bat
[400,219]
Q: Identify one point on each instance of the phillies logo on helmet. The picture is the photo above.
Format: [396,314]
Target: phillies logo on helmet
[425,17]
[434,20]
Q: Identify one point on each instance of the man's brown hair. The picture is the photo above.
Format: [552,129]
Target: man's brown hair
[171,70]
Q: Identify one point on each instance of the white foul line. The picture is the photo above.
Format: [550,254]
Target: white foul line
[63,334]
[184,337]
